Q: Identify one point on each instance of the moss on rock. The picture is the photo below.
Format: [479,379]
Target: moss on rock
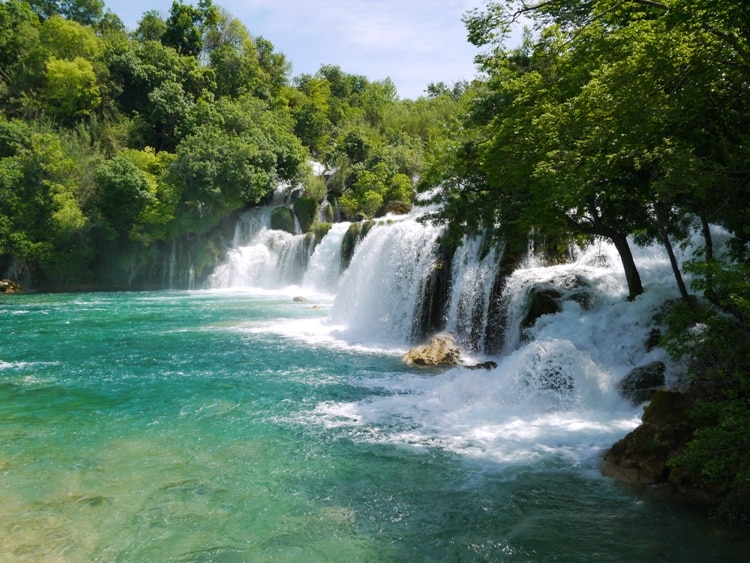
[306,209]
[282,219]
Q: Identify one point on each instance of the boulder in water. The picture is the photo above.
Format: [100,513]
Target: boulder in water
[641,383]
[488,365]
[300,299]
[282,219]
[642,455]
[441,350]
[547,298]
[10,286]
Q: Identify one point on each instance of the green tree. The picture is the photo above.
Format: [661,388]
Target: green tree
[123,191]
[85,12]
[186,26]
[151,27]
[70,88]
[234,154]
[67,39]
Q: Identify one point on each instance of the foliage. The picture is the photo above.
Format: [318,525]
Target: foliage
[716,342]
[70,89]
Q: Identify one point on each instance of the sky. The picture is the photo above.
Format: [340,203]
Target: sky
[412,42]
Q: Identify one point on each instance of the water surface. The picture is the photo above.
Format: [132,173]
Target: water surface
[239,426]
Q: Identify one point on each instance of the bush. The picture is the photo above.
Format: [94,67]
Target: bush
[717,344]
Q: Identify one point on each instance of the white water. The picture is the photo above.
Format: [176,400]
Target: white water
[324,268]
[380,291]
[472,281]
[553,395]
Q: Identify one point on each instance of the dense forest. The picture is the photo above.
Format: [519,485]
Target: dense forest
[627,120]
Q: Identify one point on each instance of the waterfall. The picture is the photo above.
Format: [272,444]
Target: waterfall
[393,283]
[260,256]
[172,262]
[324,267]
[381,291]
[473,278]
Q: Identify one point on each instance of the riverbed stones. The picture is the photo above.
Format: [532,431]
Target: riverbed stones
[441,350]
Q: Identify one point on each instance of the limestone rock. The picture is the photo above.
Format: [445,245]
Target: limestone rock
[488,365]
[547,298]
[10,286]
[442,350]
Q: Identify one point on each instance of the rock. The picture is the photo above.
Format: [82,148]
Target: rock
[300,299]
[282,219]
[641,384]
[642,455]
[10,286]
[440,351]
[306,210]
[547,298]
[488,365]
[541,301]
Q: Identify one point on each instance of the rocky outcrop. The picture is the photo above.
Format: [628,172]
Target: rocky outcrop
[306,210]
[547,298]
[641,383]
[441,350]
[642,455]
[10,286]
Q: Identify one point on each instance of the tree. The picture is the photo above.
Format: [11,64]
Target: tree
[70,89]
[186,26]
[233,155]
[122,192]
[85,12]
[151,27]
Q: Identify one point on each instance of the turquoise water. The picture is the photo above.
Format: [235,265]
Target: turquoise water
[214,426]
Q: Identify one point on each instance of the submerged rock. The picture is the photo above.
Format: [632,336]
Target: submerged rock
[10,286]
[441,350]
[300,299]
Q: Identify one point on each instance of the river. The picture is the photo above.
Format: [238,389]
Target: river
[237,424]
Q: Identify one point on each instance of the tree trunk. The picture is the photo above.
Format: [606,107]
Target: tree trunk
[660,225]
[675,266]
[597,227]
[635,287]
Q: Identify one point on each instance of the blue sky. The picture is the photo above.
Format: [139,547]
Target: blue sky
[414,42]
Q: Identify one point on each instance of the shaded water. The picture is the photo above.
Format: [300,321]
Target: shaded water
[241,426]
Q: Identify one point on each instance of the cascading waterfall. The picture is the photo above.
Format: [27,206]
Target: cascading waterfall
[381,291]
[260,256]
[472,281]
[324,268]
